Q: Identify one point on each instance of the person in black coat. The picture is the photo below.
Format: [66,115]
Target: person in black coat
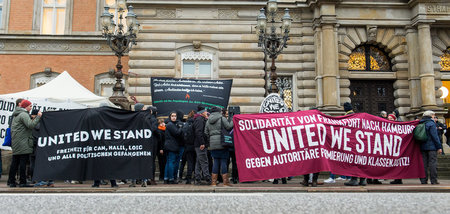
[172,147]
[200,145]
[160,139]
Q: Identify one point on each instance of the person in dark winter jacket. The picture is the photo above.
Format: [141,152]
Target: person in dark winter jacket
[153,122]
[22,142]
[348,108]
[430,148]
[179,157]
[172,147]
[200,146]
[213,131]
[160,138]
[189,148]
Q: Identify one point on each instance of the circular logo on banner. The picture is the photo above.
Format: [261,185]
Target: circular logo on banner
[273,103]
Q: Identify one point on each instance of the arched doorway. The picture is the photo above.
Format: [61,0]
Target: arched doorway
[371,96]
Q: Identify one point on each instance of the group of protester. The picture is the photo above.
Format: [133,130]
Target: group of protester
[429,149]
[197,142]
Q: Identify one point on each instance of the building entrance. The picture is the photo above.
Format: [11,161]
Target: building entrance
[372,96]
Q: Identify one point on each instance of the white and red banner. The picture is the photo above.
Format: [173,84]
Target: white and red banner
[288,144]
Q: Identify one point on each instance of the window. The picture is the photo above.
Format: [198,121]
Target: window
[196,64]
[104,84]
[368,58]
[1,13]
[4,15]
[284,85]
[53,16]
[41,78]
[445,60]
[115,11]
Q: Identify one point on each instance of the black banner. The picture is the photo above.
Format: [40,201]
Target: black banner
[169,94]
[93,144]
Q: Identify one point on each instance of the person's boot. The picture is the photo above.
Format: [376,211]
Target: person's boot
[397,181]
[362,182]
[314,183]
[214,179]
[376,181]
[369,181]
[304,182]
[133,183]
[352,182]
[153,182]
[283,181]
[275,181]
[226,180]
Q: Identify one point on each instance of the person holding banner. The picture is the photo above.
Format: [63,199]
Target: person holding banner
[348,108]
[172,147]
[430,148]
[213,131]
[22,142]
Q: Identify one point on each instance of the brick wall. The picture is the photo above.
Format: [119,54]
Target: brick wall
[84,15]
[15,70]
[21,16]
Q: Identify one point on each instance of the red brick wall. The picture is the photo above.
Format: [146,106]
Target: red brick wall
[20,16]
[84,15]
[16,70]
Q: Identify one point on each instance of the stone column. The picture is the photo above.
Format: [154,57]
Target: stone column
[426,67]
[414,69]
[329,65]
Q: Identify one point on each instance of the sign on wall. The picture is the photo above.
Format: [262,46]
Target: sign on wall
[169,94]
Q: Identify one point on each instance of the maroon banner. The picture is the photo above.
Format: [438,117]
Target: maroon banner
[290,144]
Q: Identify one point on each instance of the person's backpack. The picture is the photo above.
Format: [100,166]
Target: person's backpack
[420,133]
[7,141]
[188,133]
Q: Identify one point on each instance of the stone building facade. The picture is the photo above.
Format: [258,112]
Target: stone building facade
[377,54]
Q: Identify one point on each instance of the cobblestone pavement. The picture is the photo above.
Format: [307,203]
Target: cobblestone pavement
[227,203]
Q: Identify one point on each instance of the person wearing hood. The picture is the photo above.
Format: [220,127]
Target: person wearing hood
[172,147]
[22,142]
[213,131]
[430,148]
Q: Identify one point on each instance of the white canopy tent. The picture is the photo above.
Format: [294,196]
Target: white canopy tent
[62,89]
[61,93]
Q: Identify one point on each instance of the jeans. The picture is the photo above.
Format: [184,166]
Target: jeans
[220,163]
[190,159]
[170,166]
[18,161]
[178,160]
[201,165]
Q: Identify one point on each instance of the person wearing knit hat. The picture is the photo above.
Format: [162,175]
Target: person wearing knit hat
[220,154]
[392,117]
[215,109]
[138,107]
[22,127]
[24,103]
[348,108]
